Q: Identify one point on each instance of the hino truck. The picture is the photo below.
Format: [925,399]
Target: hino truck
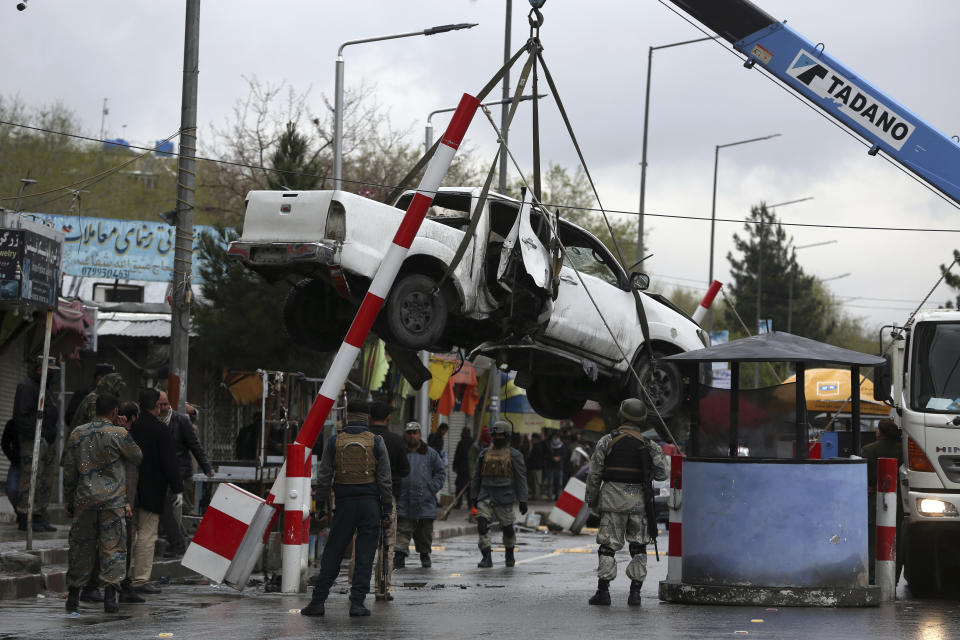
[922,379]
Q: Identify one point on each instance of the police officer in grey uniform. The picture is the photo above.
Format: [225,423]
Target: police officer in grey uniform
[620,489]
[499,480]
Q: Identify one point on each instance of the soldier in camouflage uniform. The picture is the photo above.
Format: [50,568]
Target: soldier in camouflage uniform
[94,488]
[620,488]
[111,383]
[25,419]
[499,479]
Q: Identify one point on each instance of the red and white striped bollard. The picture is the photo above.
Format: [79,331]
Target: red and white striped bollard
[292,520]
[707,301]
[675,505]
[886,535]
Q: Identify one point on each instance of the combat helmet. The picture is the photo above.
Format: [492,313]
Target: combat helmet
[633,411]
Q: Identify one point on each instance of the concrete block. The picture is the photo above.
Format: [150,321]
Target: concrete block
[17,562]
[683,593]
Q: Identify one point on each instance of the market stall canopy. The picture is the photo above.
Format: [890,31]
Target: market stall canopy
[778,346]
[829,390]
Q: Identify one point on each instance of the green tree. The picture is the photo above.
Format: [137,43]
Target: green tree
[952,280]
[295,166]
[813,313]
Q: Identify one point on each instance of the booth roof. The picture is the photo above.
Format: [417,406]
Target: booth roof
[778,346]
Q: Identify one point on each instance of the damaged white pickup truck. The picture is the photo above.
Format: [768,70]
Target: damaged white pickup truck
[521,294]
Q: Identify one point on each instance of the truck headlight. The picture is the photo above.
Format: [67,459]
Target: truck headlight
[935,508]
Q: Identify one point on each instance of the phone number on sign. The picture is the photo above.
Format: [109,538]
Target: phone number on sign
[106,272]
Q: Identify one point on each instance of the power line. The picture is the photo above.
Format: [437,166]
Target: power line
[807,225]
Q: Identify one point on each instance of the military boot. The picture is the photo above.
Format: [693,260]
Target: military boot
[602,596]
[73,599]
[91,593]
[425,561]
[110,599]
[511,561]
[399,560]
[487,561]
[315,608]
[358,610]
[634,598]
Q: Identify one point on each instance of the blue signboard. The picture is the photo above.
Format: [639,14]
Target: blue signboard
[117,249]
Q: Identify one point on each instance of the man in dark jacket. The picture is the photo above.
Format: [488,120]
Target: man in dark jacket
[159,474]
[436,438]
[355,463]
[25,415]
[185,442]
[461,465]
[417,506]
[399,469]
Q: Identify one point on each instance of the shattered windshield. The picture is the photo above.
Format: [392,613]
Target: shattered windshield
[935,379]
[586,260]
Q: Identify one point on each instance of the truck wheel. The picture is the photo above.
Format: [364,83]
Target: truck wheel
[661,382]
[414,318]
[555,399]
[315,317]
[920,565]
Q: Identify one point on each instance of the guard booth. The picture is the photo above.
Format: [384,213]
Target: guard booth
[763,524]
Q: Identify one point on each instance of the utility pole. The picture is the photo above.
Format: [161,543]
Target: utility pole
[183,247]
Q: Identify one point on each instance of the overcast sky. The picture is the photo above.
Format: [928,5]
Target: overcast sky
[131,52]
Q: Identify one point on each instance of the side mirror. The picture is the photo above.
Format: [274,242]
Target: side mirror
[639,281]
[883,381]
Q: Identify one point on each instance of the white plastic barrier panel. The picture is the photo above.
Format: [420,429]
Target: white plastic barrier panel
[568,506]
[235,520]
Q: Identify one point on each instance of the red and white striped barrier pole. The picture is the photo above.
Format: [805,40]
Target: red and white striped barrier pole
[886,567]
[675,504]
[383,280]
[569,504]
[307,503]
[292,520]
[707,301]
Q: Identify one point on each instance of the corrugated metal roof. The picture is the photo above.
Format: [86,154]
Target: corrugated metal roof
[134,325]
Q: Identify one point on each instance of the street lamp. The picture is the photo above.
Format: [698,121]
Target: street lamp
[338,91]
[770,207]
[793,273]
[713,208]
[24,183]
[428,131]
[646,121]
[842,275]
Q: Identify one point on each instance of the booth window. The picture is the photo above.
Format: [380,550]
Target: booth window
[104,292]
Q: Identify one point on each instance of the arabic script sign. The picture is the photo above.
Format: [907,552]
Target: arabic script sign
[29,267]
[121,249]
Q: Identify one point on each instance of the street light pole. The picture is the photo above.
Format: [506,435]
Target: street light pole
[428,132]
[646,122]
[713,208]
[24,183]
[793,274]
[338,88]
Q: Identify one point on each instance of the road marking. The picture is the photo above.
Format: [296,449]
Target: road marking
[756,620]
[575,550]
[438,547]
[552,554]
[294,611]
[454,575]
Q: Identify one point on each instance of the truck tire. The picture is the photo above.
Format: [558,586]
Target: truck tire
[662,382]
[920,565]
[315,317]
[555,399]
[414,318]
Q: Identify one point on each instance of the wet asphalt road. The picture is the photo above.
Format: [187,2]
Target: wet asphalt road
[544,595]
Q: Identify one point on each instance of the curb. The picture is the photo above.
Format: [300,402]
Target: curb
[27,586]
[682,593]
[453,532]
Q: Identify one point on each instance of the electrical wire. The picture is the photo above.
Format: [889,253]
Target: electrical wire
[366,183]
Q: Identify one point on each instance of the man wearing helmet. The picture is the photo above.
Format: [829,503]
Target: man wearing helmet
[499,479]
[619,486]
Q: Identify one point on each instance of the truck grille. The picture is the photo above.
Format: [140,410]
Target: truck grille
[951,467]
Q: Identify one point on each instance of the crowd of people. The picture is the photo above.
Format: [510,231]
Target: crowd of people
[125,470]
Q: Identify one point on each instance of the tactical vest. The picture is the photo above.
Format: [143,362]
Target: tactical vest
[497,463]
[354,461]
[628,459]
